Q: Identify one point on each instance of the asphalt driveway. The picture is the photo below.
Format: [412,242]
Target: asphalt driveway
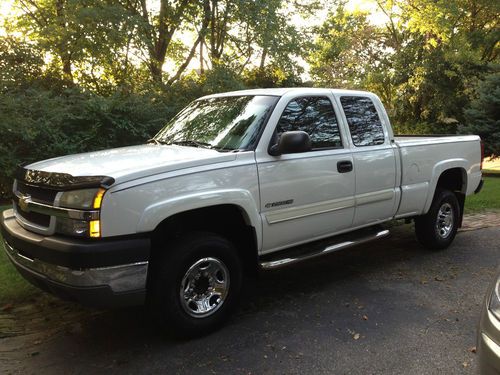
[389,307]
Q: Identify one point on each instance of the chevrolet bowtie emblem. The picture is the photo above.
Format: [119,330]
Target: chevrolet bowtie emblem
[24,202]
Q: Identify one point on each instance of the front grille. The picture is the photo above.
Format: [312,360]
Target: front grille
[33,217]
[38,194]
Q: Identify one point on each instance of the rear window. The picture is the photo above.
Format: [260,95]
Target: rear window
[363,120]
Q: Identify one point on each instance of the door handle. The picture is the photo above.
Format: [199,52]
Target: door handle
[344,166]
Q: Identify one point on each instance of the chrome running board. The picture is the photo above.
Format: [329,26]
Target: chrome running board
[321,247]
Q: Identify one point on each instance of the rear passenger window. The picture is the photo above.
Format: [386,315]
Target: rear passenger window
[364,123]
[315,116]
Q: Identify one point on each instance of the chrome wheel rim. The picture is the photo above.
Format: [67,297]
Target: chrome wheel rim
[445,220]
[204,287]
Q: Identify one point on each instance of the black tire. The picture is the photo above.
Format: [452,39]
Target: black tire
[434,229]
[180,260]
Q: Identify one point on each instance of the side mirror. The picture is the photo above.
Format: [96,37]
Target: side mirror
[290,143]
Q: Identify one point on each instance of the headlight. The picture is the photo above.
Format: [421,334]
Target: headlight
[84,199]
[495,300]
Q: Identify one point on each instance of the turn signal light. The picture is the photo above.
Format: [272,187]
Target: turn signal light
[98,198]
[95,229]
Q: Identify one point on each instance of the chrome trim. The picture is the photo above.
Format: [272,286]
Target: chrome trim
[292,213]
[204,287]
[445,220]
[329,249]
[47,231]
[374,197]
[316,208]
[121,278]
[46,209]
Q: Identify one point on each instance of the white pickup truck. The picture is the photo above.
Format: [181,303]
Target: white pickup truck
[235,182]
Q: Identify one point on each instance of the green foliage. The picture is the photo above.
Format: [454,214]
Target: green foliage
[39,123]
[423,62]
[483,114]
[271,76]
[345,49]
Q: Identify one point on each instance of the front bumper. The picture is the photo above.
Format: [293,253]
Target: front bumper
[104,273]
[488,348]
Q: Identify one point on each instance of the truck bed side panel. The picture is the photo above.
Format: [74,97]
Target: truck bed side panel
[424,159]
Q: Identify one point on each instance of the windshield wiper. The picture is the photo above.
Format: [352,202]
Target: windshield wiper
[156,141]
[190,142]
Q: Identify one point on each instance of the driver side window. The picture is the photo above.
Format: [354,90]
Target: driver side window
[315,116]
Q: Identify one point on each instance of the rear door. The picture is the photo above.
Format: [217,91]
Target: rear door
[303,195]
[374,160]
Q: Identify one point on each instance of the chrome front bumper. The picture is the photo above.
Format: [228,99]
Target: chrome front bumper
[104,286]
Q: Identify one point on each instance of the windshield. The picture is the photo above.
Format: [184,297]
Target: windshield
[225,124]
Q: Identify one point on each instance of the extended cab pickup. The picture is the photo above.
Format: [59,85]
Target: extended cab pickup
[235,182]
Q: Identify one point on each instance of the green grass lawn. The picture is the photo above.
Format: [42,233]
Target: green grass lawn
[487,199]
[13,288]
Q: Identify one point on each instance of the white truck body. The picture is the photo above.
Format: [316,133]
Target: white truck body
[287,199]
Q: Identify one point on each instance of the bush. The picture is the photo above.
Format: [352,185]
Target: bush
[38,124]
[483,114]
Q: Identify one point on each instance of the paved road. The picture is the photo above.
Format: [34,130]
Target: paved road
[384,308]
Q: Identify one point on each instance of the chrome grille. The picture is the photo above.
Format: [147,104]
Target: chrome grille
[37,194]
[33,217]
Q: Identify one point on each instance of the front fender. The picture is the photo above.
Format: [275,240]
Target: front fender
[155,213]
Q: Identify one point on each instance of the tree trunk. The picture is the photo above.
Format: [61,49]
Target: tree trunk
[67,73]
[64,52]
[263,58]
[202,68]
[167,25]
[199,40]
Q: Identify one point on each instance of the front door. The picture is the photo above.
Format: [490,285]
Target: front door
[310,195]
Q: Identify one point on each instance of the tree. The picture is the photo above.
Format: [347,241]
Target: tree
[346,48]
[89,36]
[483,114]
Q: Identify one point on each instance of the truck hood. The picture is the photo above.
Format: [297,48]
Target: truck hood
[128,163]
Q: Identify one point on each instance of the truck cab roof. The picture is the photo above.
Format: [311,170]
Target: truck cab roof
[285,90]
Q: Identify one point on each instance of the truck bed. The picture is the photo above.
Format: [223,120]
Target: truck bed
[420,171]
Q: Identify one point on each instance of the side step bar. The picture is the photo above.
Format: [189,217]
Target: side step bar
[321,247]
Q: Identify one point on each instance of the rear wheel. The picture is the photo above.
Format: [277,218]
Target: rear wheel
[195,285]
[437,229]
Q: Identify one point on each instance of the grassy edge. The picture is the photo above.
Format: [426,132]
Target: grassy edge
[13,287]
[488,199]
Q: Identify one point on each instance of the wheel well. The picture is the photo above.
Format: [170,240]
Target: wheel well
[228,221]
[455,180]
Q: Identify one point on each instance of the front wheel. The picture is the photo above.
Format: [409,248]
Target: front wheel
[437,229]
[195,284]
